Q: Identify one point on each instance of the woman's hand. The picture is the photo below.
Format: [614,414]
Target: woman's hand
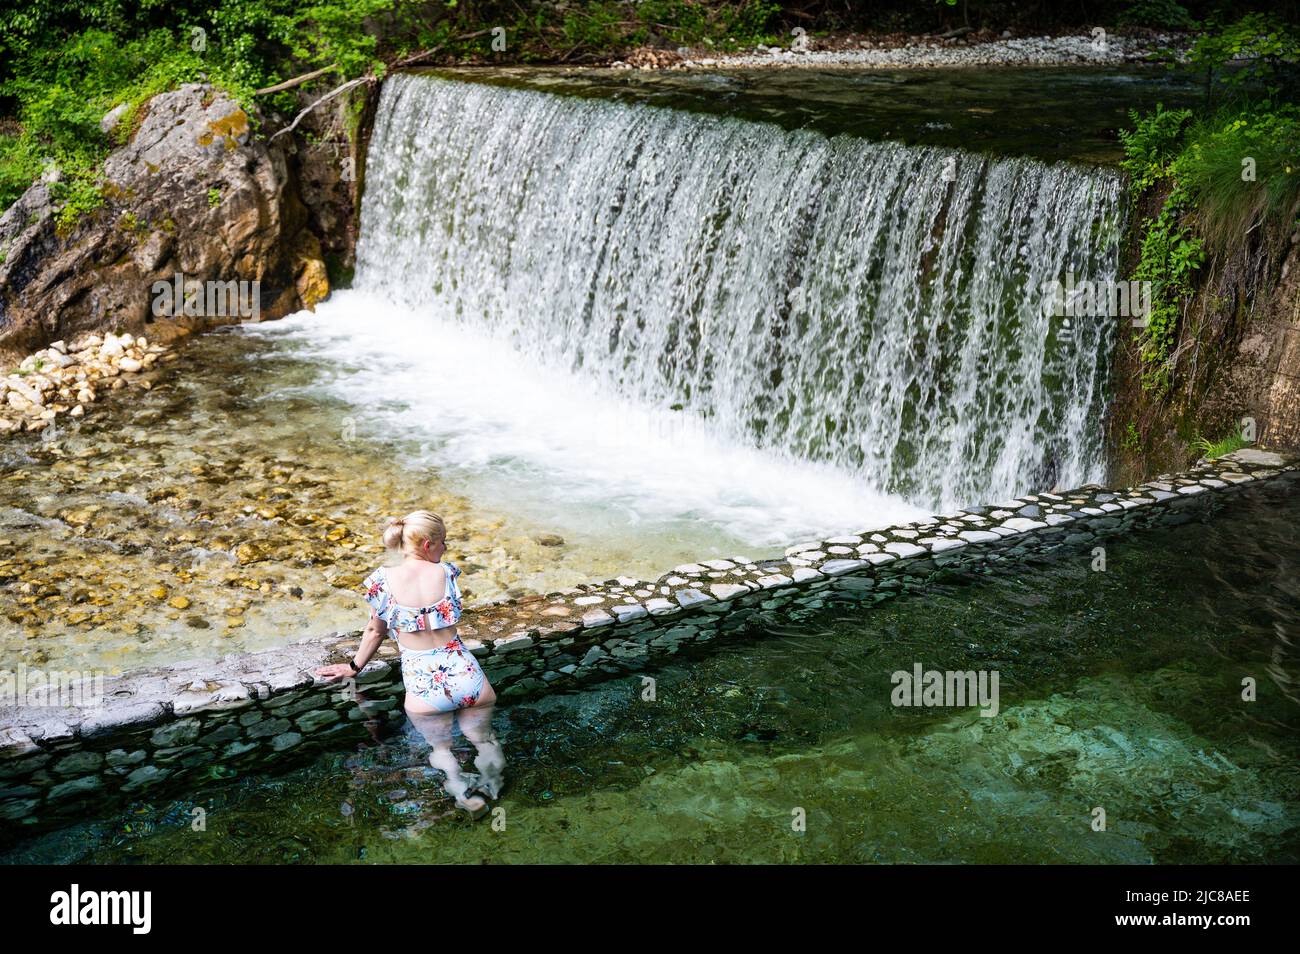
[337,671]
[370,641]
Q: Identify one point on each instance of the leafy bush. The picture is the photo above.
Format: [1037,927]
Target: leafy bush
[1240,168]
[1226,172]
[1157,14]
[20,163]
[1259,47]
[341,32]
[1170,256]
[64,93]
[65,63]
[1153,143]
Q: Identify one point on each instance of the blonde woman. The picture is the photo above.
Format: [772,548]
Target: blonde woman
[419,603]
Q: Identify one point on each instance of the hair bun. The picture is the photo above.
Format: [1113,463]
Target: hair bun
[409,532]
[394,532]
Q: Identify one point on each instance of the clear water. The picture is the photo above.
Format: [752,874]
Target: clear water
[1119,689]
[238,506]
[1046,113]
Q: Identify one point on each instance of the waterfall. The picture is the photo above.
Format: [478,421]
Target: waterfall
[874,307]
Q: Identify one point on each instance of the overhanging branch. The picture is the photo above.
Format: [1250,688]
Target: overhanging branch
[368,78]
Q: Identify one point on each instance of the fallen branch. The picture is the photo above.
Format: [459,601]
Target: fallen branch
[368,78]
[296,81]
[415,58]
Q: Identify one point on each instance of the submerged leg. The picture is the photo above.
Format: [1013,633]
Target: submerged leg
[436,727]
[476,723]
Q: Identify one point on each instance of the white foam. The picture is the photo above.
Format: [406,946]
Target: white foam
[874,307]
[520,436]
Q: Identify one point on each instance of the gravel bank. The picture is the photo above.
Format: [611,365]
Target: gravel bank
[1101,50]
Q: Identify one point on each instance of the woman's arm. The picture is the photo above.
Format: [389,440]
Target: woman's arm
[375,632]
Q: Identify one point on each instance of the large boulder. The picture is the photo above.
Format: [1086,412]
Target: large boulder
[193,193]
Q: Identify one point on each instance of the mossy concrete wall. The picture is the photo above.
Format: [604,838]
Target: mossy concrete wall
[171,729]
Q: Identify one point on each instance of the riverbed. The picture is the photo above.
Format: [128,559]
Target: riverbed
[238,504]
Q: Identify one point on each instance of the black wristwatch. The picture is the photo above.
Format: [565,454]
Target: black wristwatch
[355,667]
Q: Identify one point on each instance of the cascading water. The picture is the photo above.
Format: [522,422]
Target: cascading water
[859,326]
[871,305]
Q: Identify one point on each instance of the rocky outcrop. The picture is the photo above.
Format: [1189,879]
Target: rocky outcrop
[1237,356]
[327,158]
[1271,356]
[194,193]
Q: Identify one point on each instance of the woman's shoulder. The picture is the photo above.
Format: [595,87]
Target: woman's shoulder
[375,588]
[452,568]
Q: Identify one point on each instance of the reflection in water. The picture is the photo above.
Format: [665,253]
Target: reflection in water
[448,741]
[444,684]
[1275,602]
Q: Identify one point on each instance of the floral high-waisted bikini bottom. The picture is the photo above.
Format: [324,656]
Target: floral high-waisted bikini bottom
[447,678]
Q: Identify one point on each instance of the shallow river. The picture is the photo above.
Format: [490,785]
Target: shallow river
[239,504]
[1119,689]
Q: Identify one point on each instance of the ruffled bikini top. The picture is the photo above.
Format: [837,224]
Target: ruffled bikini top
[411,619]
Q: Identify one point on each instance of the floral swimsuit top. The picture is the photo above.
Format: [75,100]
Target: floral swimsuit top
[410,619]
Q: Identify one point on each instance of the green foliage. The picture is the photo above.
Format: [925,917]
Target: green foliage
[1153,143]
[597,25]
[62,94]
[247,39]
[63,65]
[341,32]
[608,25]
[1258,47]
[1213,449]
[1213,203]
[747,24]
[77,195]
[1132,439]
[1170,256]
[1240,168]
[1157,14]
[1170,253]
[1226,173]
[1237,166]
[20,164]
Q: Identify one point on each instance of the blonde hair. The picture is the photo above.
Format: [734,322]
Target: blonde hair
[407,533]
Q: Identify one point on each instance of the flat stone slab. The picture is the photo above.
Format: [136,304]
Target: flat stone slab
[1256,457]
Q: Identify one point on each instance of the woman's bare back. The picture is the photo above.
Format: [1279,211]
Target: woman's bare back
[416,583]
